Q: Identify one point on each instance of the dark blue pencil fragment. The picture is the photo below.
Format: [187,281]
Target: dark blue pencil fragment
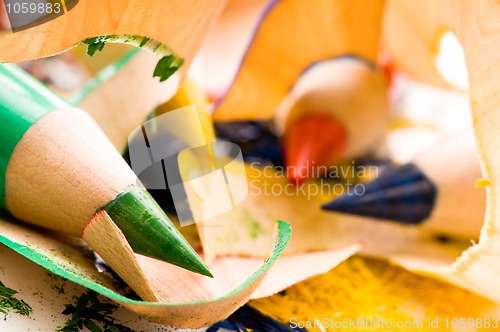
[248,318]
[258,143]
[401,194]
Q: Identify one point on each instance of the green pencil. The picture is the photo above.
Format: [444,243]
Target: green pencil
[58,169]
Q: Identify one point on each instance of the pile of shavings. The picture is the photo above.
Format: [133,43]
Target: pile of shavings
[378,292]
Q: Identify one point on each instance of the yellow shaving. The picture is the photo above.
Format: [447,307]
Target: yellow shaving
[481,183]
[375,290]
[190,93]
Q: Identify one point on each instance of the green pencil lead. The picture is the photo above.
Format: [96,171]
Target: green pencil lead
[150,232]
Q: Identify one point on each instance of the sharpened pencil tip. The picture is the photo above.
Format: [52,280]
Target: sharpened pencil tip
[312,142]
[150,232]
[205,271]
[402,194]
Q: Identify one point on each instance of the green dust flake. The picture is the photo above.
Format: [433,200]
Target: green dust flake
[88,312]
[8,302]
[95,44]
[253,226]
[144,41]
[57,283]
[167,66]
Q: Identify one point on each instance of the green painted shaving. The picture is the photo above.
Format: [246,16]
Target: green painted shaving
[94,44]
[49,262]
[8,302]
[102,77]
[166,67]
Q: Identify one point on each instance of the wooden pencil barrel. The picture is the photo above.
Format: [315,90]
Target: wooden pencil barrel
[62,171]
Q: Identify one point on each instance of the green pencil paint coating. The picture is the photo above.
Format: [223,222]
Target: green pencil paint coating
[23,102]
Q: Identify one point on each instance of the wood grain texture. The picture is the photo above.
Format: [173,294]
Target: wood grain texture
[108,241]
[60,181]
[178,25]
[292,35]
[412,31]
[477,26]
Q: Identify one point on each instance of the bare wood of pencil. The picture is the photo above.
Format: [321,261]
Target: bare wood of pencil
[59,169]
[178,25]
[105,238]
